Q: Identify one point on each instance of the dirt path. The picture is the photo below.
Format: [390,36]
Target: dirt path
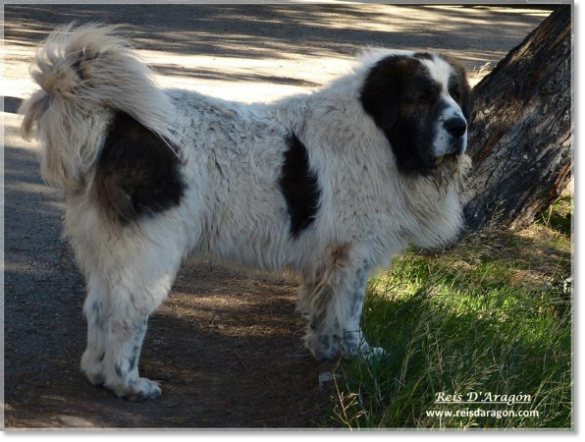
[226,345]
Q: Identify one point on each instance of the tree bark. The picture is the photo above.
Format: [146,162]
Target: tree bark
[520,140]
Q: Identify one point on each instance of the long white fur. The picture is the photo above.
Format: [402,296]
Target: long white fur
[233,209]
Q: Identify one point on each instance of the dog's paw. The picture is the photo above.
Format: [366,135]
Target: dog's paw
[138,391]
[326,353]
[324,347]
[376,353]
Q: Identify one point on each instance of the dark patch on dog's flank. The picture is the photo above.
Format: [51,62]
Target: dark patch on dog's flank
[299,186]
[403,100]
[137,174]
[118,370]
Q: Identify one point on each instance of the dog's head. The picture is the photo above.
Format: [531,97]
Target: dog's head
[422,102]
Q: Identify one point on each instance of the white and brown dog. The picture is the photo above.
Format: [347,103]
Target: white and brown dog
[330,185]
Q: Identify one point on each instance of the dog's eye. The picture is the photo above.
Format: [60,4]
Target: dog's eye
[455,94]
[427,97]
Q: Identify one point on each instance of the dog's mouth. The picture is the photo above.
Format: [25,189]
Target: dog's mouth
[447,158]
[451,156]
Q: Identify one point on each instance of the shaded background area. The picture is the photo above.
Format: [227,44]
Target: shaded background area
[276,50]
[226,345]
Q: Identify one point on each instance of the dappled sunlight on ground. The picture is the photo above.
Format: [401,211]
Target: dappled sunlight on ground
[247,80]
[263,53]
[540,13]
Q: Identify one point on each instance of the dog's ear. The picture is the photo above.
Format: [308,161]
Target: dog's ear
[383,88]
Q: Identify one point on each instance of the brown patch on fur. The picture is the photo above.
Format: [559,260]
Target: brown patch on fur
[340,253]
[109,195]
[137,173]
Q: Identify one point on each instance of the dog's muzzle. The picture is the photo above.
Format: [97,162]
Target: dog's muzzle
[457,129]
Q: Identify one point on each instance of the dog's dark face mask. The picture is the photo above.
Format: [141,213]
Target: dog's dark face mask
[424,114]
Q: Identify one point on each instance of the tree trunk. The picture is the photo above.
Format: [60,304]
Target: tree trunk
[520,140]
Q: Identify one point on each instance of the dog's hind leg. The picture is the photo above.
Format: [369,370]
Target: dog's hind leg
[334,309]
[142,288]
[135,278]
[124,342]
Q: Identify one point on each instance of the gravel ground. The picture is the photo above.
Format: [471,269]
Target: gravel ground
[226,345]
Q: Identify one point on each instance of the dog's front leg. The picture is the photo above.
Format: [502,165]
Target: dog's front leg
[334,308]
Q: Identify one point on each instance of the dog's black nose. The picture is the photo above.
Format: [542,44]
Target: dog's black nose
[456,127]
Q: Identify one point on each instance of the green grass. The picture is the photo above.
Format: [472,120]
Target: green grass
[491,315]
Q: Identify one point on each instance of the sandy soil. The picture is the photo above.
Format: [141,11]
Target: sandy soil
[226,345]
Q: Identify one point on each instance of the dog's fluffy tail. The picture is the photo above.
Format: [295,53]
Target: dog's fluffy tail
[85,73]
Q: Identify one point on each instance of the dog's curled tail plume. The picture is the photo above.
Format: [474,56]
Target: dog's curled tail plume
[85,73]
